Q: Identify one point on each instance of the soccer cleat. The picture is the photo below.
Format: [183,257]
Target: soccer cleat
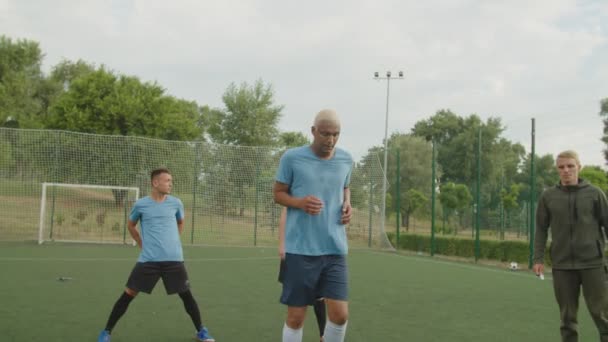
[204,336]
[104,336]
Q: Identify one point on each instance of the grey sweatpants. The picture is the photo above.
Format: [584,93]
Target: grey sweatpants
[567,285]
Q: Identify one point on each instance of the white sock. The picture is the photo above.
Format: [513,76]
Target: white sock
[334,332]
[292,335]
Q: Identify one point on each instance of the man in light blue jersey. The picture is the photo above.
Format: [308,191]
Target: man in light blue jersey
[161,218]
[312,182]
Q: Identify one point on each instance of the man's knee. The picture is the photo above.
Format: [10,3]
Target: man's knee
[131,292]
[339,319]
[337,311]
[295,317]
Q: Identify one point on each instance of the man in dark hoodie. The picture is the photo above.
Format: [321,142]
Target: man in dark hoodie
[575,211]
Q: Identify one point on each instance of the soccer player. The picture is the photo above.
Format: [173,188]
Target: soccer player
[575,211]
[161,218]
[312,182]
[319,304]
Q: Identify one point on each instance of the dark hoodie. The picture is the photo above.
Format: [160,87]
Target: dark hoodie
[576,215]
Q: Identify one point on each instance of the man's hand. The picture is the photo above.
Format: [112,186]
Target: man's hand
[282,250]
[311,205]
[538,269]
[347,212]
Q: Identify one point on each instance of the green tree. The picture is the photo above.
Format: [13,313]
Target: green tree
[66,71]
[250,118]
[413,201]
[457,140]
[292,139]
[102,102]
[455,198]
[23,88]
[510,202]
[414,172]
[545,176]
[596,176]
[604,114]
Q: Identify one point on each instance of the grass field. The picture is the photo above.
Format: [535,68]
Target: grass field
[393,298]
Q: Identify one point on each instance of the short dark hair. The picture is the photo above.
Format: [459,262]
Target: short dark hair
[158,171]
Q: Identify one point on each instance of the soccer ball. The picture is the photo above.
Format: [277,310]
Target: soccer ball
[513,266]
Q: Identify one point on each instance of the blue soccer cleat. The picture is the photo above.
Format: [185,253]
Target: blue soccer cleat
[204,336]
[104,336]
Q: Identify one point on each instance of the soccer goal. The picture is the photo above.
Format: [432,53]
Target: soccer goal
[85,213]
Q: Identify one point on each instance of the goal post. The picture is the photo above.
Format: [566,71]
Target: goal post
[85,213]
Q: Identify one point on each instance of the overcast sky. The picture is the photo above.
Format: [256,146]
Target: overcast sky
[510,59]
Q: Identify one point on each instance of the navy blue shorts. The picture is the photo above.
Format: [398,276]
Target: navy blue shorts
[306,278]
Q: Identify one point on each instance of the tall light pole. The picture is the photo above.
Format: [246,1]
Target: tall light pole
[388,78]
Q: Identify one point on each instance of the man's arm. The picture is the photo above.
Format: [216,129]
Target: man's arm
[347,209]
[603,210]
[310,204]
[282,221]
[180,226]
[540,236]
[132,226]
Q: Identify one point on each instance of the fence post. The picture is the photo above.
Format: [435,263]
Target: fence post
[532,195]
[369,210]
[255,218]
[197,162]
[56,180]
[433,185]
[478,204]
[398,197]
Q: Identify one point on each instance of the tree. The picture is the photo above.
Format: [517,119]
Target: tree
[102,102]
[67,71]
[413,201]
[415,172]
[250,118]
[292,139]
[510,202]
[454,198]
[23,88]
[604,114]
[545,175]
[457,140]
[596,176]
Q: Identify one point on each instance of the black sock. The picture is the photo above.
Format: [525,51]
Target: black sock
[319,307]
[119,309]
[192,309]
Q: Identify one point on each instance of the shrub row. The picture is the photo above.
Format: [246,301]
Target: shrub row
[500,250]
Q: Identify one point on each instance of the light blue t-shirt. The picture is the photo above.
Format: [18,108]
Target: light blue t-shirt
[158,228]
[306,174]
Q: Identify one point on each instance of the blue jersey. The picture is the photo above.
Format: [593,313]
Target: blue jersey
[158,227]
[306,174]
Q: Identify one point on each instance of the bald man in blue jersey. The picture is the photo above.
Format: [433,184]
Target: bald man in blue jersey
[313,183]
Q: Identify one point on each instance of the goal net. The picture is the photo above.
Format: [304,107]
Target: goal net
[85,213]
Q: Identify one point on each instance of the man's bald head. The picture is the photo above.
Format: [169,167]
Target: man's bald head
[327,116]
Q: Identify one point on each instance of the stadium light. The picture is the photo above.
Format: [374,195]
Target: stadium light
[388,84]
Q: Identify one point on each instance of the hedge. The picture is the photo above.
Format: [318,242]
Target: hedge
[500,250]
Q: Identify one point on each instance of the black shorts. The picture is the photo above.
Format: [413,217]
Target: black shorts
[145,275]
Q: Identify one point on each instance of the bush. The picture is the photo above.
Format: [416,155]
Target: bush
[500,250]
